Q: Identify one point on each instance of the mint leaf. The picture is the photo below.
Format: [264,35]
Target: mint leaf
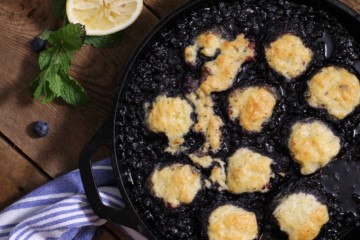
[55,55]
[56,84]
[45,34]
[49,95]
[104,41]
[36,88]
[53,80]
[59,8]
[73,93]
[45,58]
[69,37]
[39,90]
[49,72]
[63,58]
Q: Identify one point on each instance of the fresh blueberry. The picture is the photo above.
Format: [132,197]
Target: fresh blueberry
[37,44]
[40,128]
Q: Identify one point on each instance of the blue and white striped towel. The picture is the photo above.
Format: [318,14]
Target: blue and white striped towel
[60,210]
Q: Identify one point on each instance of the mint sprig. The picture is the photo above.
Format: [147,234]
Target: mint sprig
[54,81]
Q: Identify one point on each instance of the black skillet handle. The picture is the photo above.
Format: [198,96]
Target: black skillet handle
[121,216]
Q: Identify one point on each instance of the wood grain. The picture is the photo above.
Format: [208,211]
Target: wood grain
[117,231]
[354,4]
[163,8]
[17,175]
[104,234]
[96,69]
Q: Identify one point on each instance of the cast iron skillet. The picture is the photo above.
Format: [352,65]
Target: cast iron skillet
[105,136]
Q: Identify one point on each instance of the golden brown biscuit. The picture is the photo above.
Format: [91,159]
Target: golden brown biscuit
[208,122]
[313,145]
[202,161]
[172,116]
[209,42]
[221,72]
[335,89]
[176,184]
[248,171]
[218,175]
[288,56]
[253,106]
[301,216]
[229,222]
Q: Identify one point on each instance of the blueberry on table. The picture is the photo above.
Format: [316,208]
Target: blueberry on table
[40,129]
[37,44]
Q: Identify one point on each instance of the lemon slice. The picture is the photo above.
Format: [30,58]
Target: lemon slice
[103,17]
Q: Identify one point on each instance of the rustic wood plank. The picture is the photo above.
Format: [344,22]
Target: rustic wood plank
[96,69]
[354,4]
[17,176]
[163,8]
[117,231]
[104,234]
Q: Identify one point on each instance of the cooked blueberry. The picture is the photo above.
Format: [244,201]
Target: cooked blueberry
[40,129]
[37,44]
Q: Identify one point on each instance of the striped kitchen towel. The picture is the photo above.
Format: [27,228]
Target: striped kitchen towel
[60,210]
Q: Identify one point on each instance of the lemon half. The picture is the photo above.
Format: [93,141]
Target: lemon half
[103,17]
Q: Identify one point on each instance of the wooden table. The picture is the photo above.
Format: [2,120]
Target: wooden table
[27,162]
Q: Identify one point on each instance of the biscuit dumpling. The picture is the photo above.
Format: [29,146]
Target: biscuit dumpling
[288,56]
[172,116]
[229,222]
[176,184]
[218,175]
[334,89]
[248,171]
[202,161]
[220,73]
[209,42]
[208,122]
[252,106]
[313,145]
[301,216]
